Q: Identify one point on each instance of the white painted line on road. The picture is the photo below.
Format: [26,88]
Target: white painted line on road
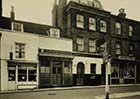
[119,95]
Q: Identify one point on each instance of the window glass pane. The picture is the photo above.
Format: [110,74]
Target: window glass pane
[117,48]
[22,73]
[11,73]
[32,73]
[92,46]
[92,70]
[20,50]
[114,70]
[80,44]
[92,24]
[118,28]
[80,21]
[130,31]
[103,26]
[129,71]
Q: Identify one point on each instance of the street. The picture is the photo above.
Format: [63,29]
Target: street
[81,92]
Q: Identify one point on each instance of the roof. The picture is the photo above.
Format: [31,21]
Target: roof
[28,26]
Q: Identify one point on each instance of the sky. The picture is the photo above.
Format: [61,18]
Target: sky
[40,11]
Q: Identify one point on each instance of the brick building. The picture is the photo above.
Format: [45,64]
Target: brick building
[94,29]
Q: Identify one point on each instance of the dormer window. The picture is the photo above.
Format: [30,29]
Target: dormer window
[17,26]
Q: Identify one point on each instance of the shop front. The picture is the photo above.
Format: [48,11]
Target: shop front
[123,72]
[55,69]
[22,75]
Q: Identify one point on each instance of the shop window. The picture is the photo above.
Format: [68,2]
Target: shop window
[79,21]
[32,73]
[66,66]
[80,44]
[130,30]
[22,73]
[92,24]
[93,70]
[92,47]
[11,73]
[131,50]
[20,50]
[103,26]
[129,71]
[118,48]
[114,70]
[118,28]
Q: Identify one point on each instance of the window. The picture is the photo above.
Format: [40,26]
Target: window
[22,73]
[11,73]
[130,30]
[17,27]
[80,44]
[27,73]
[103,26]
[131,50]
[102,48]
[80,21]
[114,70]
[92,24]
[20,50]
[32,73]
[83,1]
[92,45]
[118,48]
[118,28]
[129,71]
[93,70]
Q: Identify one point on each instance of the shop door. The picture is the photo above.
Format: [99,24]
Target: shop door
[80,73]
[121,74]
[56,74]
[11,78]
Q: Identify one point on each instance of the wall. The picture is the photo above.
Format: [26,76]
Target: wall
[8,40]
[87,61]
[55,44]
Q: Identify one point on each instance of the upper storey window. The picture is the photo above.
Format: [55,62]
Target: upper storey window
[118,28]
[20,50]
[17,26]
[92,24]
[130,30]
[79,21]
[103,26]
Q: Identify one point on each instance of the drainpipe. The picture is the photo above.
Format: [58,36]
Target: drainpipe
[0,60]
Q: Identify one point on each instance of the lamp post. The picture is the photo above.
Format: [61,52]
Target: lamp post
[106,60]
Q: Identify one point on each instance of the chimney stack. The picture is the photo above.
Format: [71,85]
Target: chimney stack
[12,13]
[0,8]
[122,13]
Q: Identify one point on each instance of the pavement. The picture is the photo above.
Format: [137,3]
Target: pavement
[130,91]
[120,95]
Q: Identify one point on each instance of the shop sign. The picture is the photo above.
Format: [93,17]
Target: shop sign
[127,58]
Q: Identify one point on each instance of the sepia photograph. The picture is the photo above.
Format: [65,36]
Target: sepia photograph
[69,49]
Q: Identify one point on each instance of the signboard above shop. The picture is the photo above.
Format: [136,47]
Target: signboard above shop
[127,58]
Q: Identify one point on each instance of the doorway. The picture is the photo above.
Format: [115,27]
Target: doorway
[56,73]
[80,73]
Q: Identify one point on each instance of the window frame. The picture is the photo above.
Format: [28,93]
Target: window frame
[131,49]
[103,26]
[92,45]
[118,28]
[80,44]
[118,50]
[79,21]
[92,23]
[130,30]
[17,27]
[19,50]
